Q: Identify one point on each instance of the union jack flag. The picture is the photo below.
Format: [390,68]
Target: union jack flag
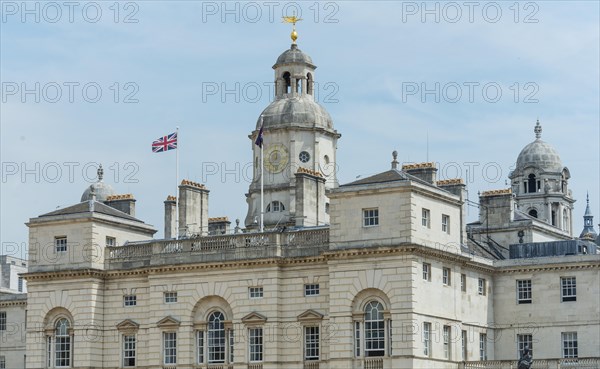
[165,143]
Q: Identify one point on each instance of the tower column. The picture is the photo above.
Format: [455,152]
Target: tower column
[571,220]
[304,87]
[559,217]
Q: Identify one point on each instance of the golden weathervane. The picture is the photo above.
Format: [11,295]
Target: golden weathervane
[293,19]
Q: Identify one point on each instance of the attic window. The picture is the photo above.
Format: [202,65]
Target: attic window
[275,206]
[60,243]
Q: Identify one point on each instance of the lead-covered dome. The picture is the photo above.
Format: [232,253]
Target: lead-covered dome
[293,55]
[100,189]
[298,111]
[539,154]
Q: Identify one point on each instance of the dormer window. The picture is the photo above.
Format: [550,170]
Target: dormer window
[275,206]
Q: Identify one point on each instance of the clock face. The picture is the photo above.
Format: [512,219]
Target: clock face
[276,158]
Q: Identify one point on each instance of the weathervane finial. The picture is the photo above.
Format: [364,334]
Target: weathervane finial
[538,129]
[100,173]
[293,19]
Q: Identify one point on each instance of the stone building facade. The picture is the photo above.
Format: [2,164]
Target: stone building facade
[379,273]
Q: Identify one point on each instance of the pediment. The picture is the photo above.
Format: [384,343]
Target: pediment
[168,322]
[254,318]
[128,325]
[310,315]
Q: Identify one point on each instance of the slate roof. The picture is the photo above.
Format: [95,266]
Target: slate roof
[84,207]
[392,175]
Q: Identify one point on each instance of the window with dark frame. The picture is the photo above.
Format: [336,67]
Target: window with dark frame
[446,276]
[446,333]
[446,223]
[311,289]
[255,292]
[463,340]
[129,349]
[129,300]
[111,241]
[568,289]
[482,346]
[524,340]
[255,336]
[374,330]
[425,218]
[311,343]
[427,271]
[170,297]
[524,291]
[427,339]
[481,286]
[60,243]
[370,217]
[170,348]
[569,345]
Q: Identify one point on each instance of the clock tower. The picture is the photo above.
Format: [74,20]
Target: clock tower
[298,137]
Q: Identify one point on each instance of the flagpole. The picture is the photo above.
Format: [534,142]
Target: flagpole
[262,205]
[177,186]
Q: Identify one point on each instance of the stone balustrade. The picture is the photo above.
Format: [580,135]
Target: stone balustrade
[220,248]
[575,363]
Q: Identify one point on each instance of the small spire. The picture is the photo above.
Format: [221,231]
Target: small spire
[395,161]
[538,130]
[293,19]
[100,173]
[588,211]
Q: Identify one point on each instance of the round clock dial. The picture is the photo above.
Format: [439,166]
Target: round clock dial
[276,158]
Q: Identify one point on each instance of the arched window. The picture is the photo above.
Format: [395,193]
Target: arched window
[287,83]
[62,344]
[374,329]
[372,325]
[533,213]
[309,84]
[531,183]
[275,206]
[216,338]
[214,334]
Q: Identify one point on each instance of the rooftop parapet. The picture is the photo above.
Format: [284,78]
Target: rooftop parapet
[222,248]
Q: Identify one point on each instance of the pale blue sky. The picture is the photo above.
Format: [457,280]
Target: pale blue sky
[365,52]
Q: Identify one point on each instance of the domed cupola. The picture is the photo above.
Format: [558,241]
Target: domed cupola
[100,189]
[296,111]
[539,155]
[540,184]
[299,137]
[294,56]
[294,104]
